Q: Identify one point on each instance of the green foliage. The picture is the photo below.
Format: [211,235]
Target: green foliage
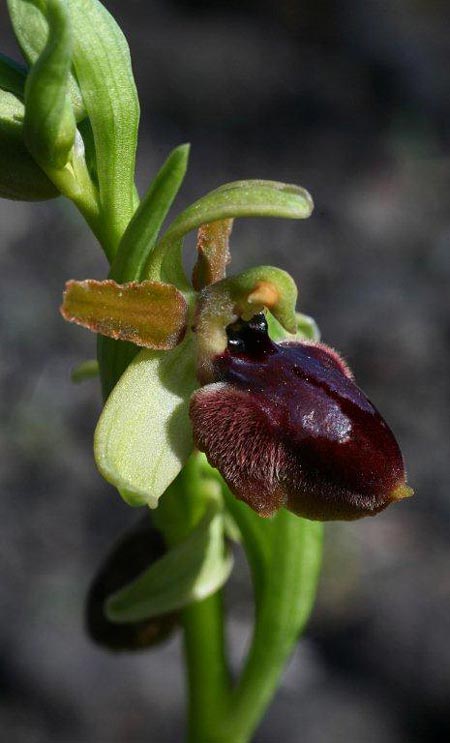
[79,70]
[102,65]
[189,572]
[20,177]
[284,554]
[31,29]
[49,119]
[143,229]
[253,198]
[134,250]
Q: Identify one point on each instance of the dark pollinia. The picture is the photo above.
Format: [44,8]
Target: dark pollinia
[286,425]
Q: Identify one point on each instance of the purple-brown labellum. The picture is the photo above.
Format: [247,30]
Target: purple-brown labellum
[286,425]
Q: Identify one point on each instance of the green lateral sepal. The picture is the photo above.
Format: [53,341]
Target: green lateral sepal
[143,437]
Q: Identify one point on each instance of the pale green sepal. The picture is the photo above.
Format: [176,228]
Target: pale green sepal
[192,570]
[31,30]
[253,198]
[12,112]
[49,126]
[135,500]
[102,64]
[143,437]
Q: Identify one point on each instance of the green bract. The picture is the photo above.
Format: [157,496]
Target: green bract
[284,554]
[193,569]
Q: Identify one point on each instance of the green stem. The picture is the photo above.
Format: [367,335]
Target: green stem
[289,577]
[76,184]
[271,646]
[208,677]
[207,674]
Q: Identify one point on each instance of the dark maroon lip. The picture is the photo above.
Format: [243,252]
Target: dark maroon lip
[278,366]
[307,400]
[329,442]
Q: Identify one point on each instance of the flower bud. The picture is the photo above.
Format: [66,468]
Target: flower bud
[286,425]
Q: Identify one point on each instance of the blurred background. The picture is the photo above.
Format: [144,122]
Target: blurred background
[350,100]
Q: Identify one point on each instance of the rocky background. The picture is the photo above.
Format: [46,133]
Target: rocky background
[352,101]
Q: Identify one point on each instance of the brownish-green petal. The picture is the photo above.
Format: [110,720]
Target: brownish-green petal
[213,253]
[149,314]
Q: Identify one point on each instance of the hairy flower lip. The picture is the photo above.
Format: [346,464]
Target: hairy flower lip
[287,425]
